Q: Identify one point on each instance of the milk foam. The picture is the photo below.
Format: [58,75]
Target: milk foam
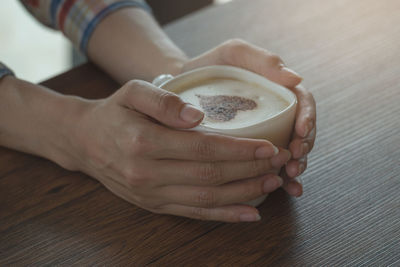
[268,103]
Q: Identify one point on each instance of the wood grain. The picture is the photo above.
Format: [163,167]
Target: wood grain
[349,54]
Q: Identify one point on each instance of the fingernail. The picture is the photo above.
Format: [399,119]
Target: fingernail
[301,168]
[281,159]
[289,155]
[280,180]
[308,128]
[302,165]
[304,148]
[306,131]
[266,152]
[296,189]
[272,183]
[299,180]
[292,73]
[191,114]
[249,217]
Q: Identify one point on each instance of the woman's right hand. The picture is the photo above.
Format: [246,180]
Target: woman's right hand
[130,143]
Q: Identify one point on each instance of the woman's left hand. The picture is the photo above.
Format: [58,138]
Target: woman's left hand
[244,55]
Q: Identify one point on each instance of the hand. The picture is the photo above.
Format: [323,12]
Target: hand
[303,139]
[244,55]
[129,143]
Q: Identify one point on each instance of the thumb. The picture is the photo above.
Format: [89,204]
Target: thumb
[162,105]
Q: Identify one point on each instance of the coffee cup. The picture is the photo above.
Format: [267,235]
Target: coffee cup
[238,103]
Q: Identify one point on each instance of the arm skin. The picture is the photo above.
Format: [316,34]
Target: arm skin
[32,118]
[138,49]
[36,120]
[79,134]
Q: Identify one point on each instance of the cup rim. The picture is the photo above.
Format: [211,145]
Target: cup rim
[268,83]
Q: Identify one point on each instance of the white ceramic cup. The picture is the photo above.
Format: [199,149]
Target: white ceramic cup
[277,129]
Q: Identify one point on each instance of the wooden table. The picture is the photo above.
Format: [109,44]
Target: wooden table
[349,53]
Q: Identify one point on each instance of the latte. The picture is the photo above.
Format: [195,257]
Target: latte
[232,104]
[238,103]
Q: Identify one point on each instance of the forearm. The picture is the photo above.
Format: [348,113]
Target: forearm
[36,120]
[129,44]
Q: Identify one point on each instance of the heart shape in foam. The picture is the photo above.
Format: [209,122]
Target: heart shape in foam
[224,107]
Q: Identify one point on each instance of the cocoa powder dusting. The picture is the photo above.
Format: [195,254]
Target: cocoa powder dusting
[224,107]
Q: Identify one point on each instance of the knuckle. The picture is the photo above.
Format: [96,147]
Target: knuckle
[206,199]
[275,59]
[152,206]
[252,191]
[156,210]
[140,201]
[242,150]
[132,85]
[235,46]
[130,89]
[257,167]
[166,101]
[199,213]
[204,148]
[148,203]
[140,144]
[158,207]
[236,43]
[134,178]
[96,157]
[210,173]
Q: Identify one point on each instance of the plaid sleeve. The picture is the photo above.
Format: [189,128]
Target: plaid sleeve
[4,71]
[77,18]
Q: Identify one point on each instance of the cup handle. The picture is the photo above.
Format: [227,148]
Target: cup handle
[160,80]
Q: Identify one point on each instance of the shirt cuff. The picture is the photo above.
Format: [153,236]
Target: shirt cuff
[79,20]
[5,71]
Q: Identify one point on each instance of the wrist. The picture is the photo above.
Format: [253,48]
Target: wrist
[38,121]
[63,145]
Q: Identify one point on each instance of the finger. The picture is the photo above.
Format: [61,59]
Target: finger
[306,112]
[310,139]
[292,187]
[118,188]
[295,168]
[193,145]
[300,146]
[247,56]
[232,213]
[212,173]
[215,196]
[159,104]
